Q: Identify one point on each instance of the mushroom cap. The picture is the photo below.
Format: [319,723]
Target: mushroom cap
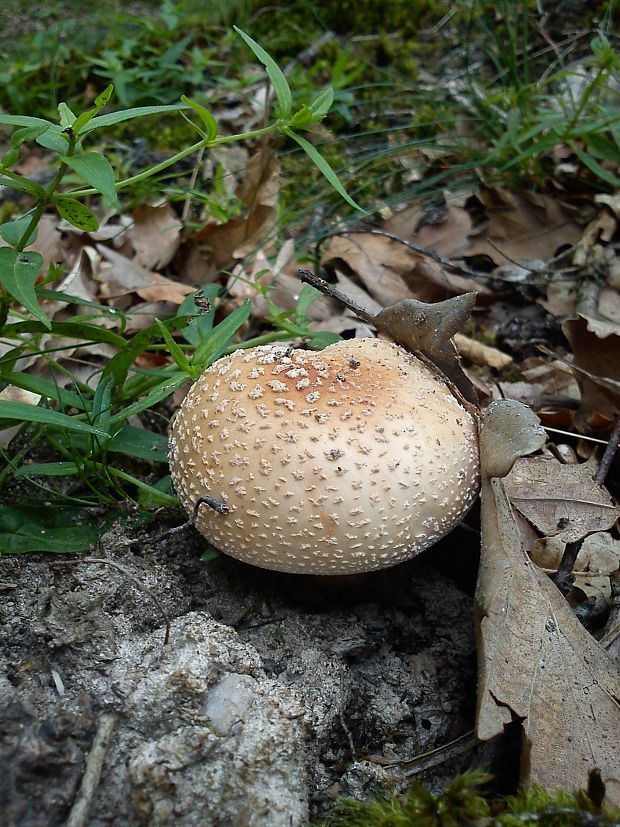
[348,460]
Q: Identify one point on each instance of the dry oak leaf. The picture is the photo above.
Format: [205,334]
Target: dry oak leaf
[237,238]
[155,235]
[379,262]
[523,228]
[561,501]
[598,558]
[391,271]
[536,663]
[448,236]
[596,356]
[125,276]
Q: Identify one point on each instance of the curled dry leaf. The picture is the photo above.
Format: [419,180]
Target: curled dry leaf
[222,244]
[478,353]
[596,355]
[155,235]
[125,276]
[598,558]
[379,263]
[523,227]
[537,663]
[428,328]
[560,500]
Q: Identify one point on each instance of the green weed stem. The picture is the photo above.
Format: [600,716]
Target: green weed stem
[179,156]
[45,199]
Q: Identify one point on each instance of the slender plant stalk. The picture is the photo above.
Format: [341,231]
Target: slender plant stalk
[44,200]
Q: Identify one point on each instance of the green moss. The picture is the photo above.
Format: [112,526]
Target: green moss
[464,803]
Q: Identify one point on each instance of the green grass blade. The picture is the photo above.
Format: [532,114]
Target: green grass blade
[141,443]
[278,81]
[36,384]
[128,115]
[22,412]
[48,469]
[316,157]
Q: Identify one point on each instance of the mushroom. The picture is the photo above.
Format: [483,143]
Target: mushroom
[348,460]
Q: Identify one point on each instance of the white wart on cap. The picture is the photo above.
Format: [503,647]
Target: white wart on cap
[343,461]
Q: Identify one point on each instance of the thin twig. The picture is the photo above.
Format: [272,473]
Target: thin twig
[92,773]
[460,269]
[608,455]
[576,436]
[309,52]
[192,183]
[435,756]
[309,277]
[564,577]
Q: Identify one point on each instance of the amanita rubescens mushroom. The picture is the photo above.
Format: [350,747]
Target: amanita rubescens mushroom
[343,461]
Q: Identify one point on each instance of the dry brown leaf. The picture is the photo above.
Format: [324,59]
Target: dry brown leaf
[598,558]
[124,276]
[391,271]
[155,235]
[221,244]
[47,243]
[562,501]
[379,262]
[596,350]
[537,663]
[429,328]
[523,227]
[447,237]
[480,354]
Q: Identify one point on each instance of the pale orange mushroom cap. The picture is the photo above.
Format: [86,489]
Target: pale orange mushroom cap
[348,460]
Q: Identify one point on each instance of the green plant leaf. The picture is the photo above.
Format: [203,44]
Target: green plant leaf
[278,81]
[77,330]
[593,165]
[322,338]
[214,345]
[302,119]
[155,395]
[209,122]
[152,496]
[48,469]
[18,275]
[175,351]
[76,213]
[23,120]
[210,553]
[30,413]
[321,105]
[128,115]
[46,529]
[12,231]
[20,136]
[67,118]
[201,324]
[36,384]
[21,184]
[316,157]
[141,443]
[307,296]
[97,171]
[60,295]
[102,402]
[119,365]
[100,101]
[55,141]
